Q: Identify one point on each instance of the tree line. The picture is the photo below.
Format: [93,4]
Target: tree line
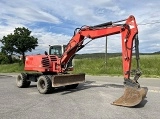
[17,43]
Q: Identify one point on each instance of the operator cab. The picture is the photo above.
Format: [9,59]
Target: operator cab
[58,50]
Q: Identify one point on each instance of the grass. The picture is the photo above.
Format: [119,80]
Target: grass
[98,66]
[11,68]
[149,65]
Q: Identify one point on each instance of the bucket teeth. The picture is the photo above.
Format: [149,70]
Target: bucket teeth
[131,97]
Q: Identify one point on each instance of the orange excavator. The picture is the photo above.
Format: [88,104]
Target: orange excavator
[54,69]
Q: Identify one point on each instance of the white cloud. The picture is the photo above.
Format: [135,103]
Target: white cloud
[28,13]
[48,38]
[25,12]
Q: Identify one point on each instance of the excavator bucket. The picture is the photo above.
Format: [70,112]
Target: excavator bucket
[131,97]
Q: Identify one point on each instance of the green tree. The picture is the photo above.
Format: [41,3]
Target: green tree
[7,47]
[20,42]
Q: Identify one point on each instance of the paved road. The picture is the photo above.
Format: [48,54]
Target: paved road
[90,101]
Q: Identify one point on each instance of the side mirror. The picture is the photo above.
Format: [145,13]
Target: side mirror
[46,53]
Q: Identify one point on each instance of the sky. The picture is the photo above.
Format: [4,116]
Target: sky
[53,21]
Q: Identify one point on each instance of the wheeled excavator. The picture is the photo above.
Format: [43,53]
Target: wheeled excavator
[54,69]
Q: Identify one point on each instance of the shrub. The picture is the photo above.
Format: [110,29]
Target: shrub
[3,59]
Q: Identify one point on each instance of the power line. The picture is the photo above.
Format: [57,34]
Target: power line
[157,22]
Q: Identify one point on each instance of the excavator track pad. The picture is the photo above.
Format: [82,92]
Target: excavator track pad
[132,96]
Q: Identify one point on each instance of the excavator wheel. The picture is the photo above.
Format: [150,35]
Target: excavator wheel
[132,96]
[44,84]
[21,81]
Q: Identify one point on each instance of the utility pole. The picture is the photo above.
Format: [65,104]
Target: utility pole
[106,54]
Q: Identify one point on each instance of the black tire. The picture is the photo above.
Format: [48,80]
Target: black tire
[73,86]
[21,81]
[44,84]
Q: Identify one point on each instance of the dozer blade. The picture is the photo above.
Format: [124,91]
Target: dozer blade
[67,79]
[131,97]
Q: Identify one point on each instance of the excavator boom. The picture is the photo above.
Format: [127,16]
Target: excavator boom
[128,31]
